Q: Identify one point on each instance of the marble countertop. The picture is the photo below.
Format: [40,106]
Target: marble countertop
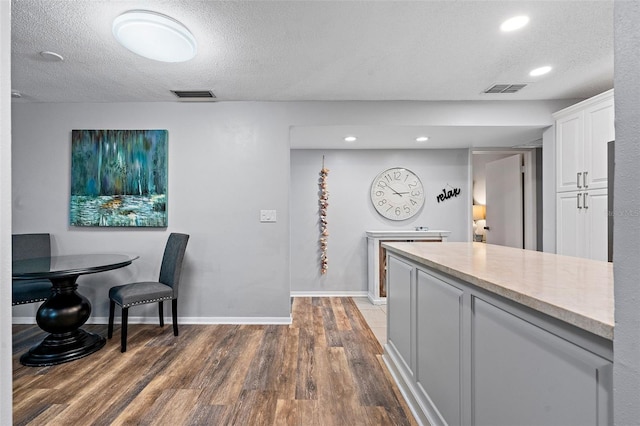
[574,290]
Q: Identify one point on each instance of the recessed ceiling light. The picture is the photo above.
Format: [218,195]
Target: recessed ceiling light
[422,138]
[350,139]
[154,36]
[514,23]
[52,56]
[16,94]
[540,71]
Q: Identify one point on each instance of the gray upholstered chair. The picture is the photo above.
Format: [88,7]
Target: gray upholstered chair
[27,246]
[166,288]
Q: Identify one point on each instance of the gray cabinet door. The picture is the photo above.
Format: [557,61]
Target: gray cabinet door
[399,312]
[439,330]
[524,375]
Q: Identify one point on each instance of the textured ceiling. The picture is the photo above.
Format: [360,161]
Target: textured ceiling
[317,50]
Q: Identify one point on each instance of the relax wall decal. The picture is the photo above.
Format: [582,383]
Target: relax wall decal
[446,194]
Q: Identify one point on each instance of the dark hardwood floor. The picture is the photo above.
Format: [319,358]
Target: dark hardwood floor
[323,369]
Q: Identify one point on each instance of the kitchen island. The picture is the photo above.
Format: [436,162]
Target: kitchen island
[489,335]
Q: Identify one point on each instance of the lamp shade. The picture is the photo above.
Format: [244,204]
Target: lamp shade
[154,36]
[479,212]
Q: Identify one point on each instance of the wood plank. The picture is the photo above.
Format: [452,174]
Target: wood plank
[309,412]
[139,405]
[287,413]
[49,416]
[173,407]
[342,320]
[330,327]
[209,415]
[223,374]
[336,389]
[263,371]
[287,378]
[254,407]
[319,336]
[306,387]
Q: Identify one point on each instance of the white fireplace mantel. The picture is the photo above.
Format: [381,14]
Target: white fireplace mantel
[376,256]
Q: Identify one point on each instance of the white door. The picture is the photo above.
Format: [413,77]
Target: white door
[505,221]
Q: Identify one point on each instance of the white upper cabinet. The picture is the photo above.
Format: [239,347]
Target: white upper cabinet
[582,133]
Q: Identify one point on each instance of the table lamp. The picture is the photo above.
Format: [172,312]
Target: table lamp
[479,222]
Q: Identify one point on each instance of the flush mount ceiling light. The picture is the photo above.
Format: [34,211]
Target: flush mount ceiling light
[154,36]
[540,71]
[422,138]
[350,139]
[514,23]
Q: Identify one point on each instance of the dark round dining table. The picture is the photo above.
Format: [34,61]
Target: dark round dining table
[66,310]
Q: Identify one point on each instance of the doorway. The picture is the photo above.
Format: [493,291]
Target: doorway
[522,186]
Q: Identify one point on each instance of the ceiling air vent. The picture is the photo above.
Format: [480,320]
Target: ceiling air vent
[194,94]
[505,88]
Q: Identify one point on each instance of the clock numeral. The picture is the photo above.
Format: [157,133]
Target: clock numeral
[396,175]
[382,184]
[390,207]
[407,209]
[415,193]
[398,211]
[414,202]
[388,177]
[382,202]
[379,193]
[414,184]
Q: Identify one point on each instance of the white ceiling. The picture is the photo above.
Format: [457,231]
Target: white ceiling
[317,50]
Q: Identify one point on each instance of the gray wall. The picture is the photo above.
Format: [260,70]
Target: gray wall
[5,213]
[350,212]
[227,161]
[626,369]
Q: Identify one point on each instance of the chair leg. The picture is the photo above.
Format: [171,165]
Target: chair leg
[123,330]
[112,308]
[174,314]
[161,313]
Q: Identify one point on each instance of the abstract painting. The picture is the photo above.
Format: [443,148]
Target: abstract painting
[119,178]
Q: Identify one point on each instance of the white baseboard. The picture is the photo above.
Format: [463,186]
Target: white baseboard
[328,294]
[23,320]
[185,320]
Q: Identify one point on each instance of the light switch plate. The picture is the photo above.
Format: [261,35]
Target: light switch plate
[267,215]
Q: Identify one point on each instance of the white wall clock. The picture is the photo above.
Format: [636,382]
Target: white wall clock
[397,193]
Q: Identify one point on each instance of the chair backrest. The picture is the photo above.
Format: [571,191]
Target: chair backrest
[27,246]
[172,261]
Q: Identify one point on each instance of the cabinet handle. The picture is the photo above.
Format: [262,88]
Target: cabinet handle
[584,200]
[584,180]
[578,198]
[578,179]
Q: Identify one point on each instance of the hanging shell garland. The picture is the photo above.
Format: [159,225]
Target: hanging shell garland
[324,231]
